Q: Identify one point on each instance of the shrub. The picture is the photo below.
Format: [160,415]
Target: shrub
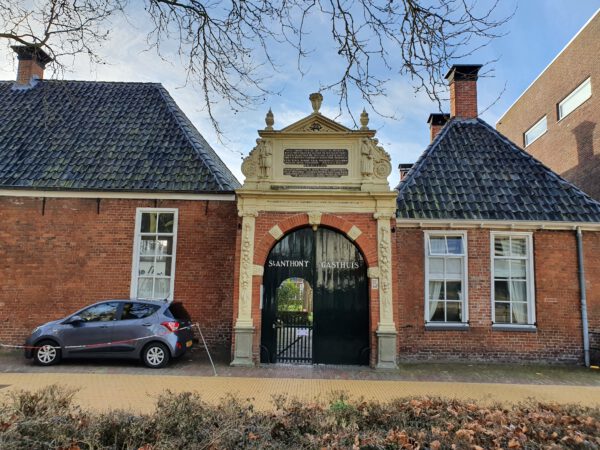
[49,419]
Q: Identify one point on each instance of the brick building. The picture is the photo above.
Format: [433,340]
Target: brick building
[108,191]
[556,118]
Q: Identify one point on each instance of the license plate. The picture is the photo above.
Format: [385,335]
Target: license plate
[188,344]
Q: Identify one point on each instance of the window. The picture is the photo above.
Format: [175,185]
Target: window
[536,131]
[154,254]
[132,311]
[512,273]
[445,279]
[104,312]
[575,98]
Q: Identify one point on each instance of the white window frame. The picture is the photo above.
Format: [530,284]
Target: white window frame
[526,141]
[573,93]
[465,281]
[530,268]
[136,248]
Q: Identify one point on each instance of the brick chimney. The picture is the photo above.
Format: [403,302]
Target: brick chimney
[462,79]
[436,122]
[32,62]
[404,169]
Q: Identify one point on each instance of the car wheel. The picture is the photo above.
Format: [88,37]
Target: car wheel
[156,355]
[47,353]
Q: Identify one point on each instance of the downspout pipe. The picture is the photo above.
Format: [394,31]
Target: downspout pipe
[584,314]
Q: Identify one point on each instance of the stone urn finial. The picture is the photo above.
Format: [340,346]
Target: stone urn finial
[315,100]
[269,120]
[364,120]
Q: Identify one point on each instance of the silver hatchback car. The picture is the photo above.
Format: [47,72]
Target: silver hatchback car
[151,331]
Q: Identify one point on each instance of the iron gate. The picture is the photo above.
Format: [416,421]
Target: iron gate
[294,334]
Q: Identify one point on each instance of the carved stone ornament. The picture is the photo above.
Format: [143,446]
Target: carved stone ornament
[269,120]
[246,267]
[375,161]
[314,219]
[259,162]
[385,271]
[316,99]
[364,120]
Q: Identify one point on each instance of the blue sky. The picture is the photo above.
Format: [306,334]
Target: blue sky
[537,32]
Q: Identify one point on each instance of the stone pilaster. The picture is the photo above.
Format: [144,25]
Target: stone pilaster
[244,326]
[386,329]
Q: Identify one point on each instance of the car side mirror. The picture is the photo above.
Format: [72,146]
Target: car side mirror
[74,320]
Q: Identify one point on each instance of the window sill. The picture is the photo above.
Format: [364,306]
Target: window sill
[507,327]
[447,326]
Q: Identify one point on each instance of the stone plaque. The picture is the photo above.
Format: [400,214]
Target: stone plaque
[312,172]
[312,157]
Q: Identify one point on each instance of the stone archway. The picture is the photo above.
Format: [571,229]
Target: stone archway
[331,328]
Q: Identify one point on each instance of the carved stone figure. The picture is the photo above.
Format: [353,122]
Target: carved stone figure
[366,160]
[265,158]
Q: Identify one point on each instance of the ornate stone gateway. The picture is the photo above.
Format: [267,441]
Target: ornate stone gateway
[315,186]
[315,300]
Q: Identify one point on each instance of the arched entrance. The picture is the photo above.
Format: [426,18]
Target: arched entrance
[315,300]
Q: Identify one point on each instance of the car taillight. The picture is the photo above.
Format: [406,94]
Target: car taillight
[171,326]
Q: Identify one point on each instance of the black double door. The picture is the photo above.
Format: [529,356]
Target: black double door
[315,305]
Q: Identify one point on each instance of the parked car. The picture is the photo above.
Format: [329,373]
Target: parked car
[151,331]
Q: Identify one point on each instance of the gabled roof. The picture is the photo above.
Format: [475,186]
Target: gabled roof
[472,172]
[85,135]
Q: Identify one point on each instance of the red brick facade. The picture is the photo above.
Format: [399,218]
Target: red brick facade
[558,336]
[571,146]
[59,255]
[62,254]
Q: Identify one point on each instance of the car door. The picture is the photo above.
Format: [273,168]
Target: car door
[136,323]
[92,336]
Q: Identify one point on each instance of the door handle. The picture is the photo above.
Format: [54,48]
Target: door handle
[146,324]
[103,326]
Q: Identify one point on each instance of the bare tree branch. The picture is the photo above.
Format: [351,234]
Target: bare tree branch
[226,46]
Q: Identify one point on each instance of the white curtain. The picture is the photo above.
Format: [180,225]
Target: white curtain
[435,287]
[518,299]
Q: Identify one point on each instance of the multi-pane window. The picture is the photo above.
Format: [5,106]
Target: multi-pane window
[575,98]
[536,131]
[154,259]
[445,281]
[512,290]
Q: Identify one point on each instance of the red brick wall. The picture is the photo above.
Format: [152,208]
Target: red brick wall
[57,262]
[570,147]
[558,335]
[591,250]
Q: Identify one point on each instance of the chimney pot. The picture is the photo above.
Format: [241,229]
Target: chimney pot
[32,62]
[436,122]
[463,90]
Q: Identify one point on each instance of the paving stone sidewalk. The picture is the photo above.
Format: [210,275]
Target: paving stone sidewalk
[110,385]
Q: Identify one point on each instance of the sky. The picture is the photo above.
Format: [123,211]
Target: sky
[533,37]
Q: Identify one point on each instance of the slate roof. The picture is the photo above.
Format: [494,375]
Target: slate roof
[86,135]
[471,171]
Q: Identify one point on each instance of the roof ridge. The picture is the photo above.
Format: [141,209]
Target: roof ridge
[534,160]
[193,135]
[53,80]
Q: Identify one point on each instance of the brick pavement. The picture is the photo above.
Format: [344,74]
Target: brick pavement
[138,392]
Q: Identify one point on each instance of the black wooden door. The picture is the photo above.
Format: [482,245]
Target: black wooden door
[334,328]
